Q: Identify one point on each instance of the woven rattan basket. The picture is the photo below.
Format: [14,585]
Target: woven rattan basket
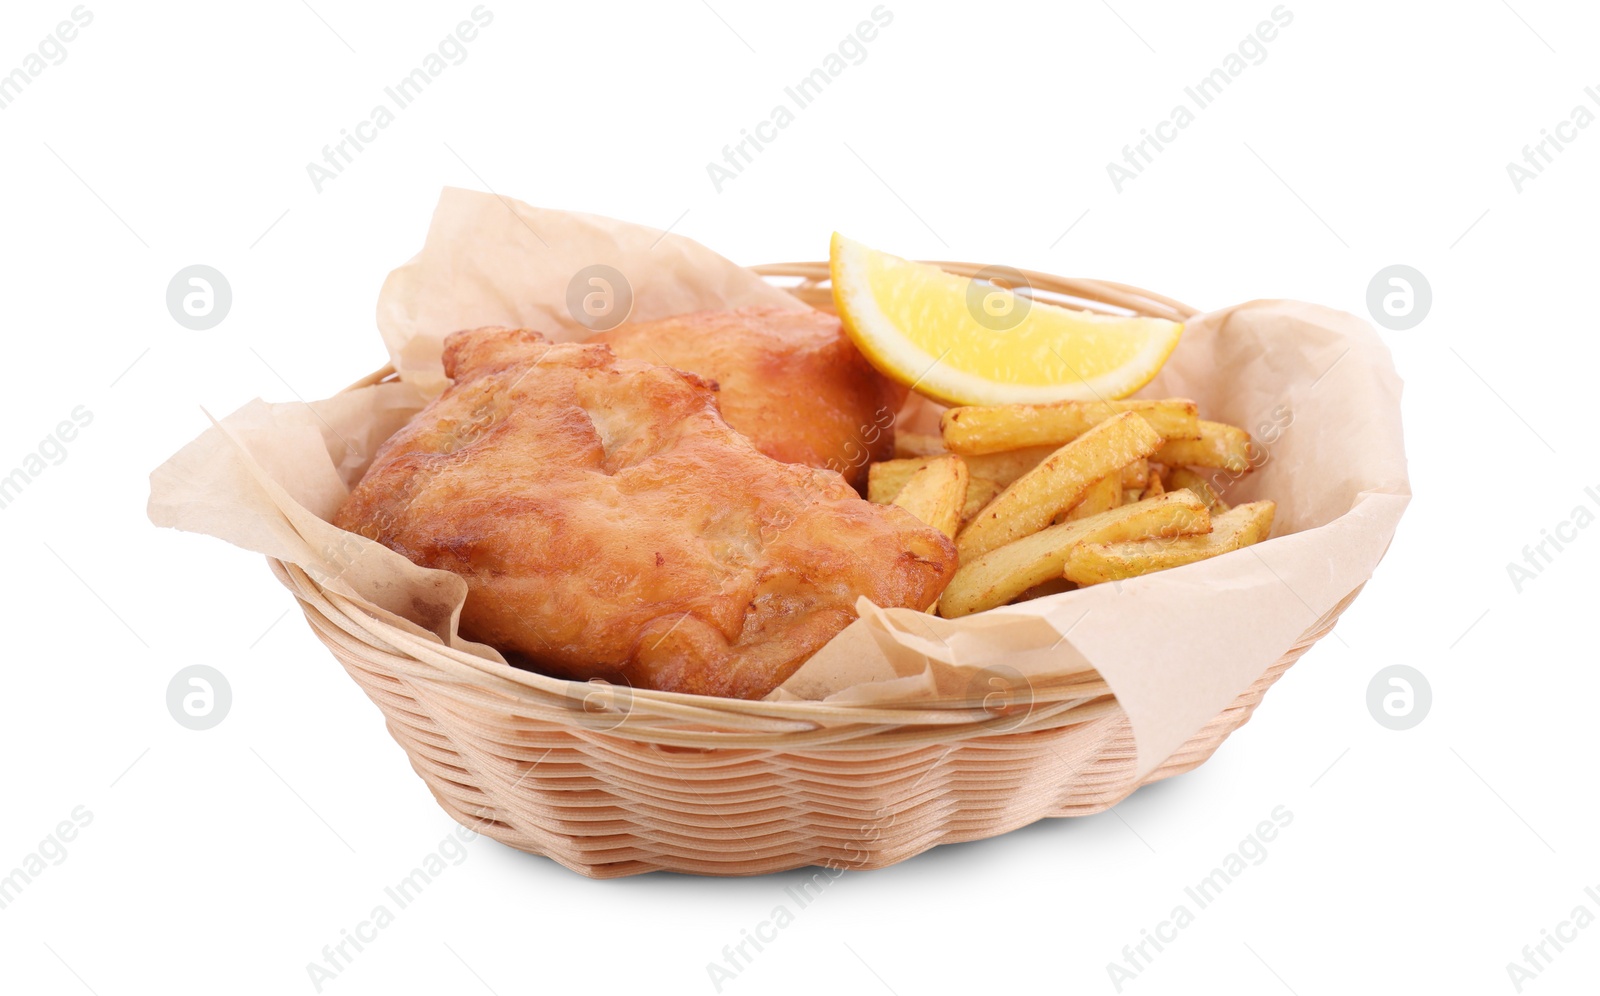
[615,781]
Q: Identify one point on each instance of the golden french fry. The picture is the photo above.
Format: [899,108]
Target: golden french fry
[1219,445]
[1003,468]
[1029,503]
[1005,572]
[1183,477]
[980,492]
[1131,495]
[997,428]
[1054,586]
[1154,486]
[918,444]
[936,493]
[887,477]
[885,481]
[1102,496]
[1097,561]
[1135,475]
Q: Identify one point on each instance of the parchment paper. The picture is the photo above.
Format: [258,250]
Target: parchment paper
[1315,387]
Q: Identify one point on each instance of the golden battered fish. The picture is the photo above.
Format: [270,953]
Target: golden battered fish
[792,381]
[610,524]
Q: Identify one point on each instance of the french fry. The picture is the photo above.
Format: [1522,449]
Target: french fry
[1183,477]
[1223,446]
[1029,503]
[918,444]
[1054,586]
[1104,495]
[1003,468]
[936,493]
[1099,560]
[1005,572]
[980,492]
[1154,486]
[976,430]
[1136,474]
[1131,495]
[887,477]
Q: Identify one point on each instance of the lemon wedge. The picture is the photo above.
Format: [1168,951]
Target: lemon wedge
[970,342]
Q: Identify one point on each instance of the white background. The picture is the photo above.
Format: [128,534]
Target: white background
[1374,133]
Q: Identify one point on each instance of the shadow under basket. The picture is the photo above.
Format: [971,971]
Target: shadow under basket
[611,781]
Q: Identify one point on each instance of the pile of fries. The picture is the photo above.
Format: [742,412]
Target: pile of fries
[1044,498]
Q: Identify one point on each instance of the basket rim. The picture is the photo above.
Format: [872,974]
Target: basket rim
[1087,694]
[1101,295]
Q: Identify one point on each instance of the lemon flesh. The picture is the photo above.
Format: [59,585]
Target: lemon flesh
[973,343]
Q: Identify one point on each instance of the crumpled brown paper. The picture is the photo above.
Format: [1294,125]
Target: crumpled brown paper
[1315,387]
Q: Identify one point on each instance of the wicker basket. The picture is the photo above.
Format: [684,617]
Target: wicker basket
[614,781]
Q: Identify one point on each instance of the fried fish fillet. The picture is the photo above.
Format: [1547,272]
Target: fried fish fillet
[792,381]
[610,524]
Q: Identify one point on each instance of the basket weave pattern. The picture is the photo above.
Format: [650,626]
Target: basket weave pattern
[659,781]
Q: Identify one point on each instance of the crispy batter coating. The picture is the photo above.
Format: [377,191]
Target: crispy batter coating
[610,524]
[790,380]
